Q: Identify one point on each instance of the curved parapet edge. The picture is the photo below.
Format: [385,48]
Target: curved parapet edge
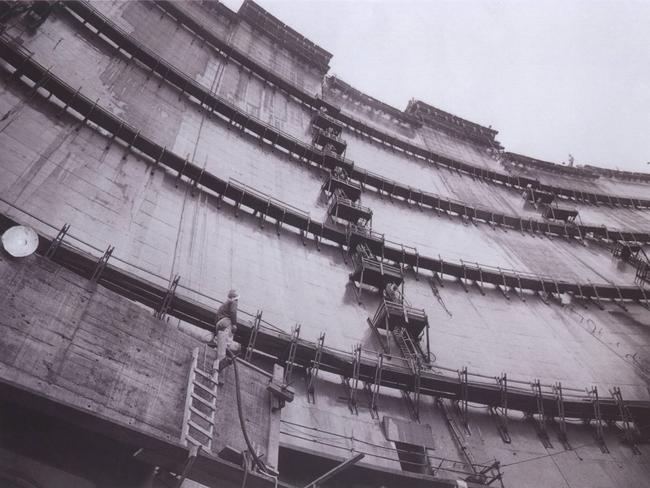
[117,128]
[364,177]
[315,102]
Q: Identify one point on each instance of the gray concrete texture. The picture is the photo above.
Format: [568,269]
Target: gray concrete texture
[84,346]
[75,342]
[272,106]
[182,225]
[477,155]
[224,152]
[61,175]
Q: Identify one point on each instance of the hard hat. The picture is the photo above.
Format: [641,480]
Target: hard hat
[20,241]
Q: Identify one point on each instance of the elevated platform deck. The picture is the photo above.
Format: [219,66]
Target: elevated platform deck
[374,273]
[371,272]
[356,235]
[327,138]
[276,343]
[325,122]
[560,213]
[392,315]
[345,209]
[351,190]
[538,196]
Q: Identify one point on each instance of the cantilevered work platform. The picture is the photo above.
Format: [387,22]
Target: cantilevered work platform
[538,196]
[406,325]
[636,256]
[629,253]
[372,272]
[345,209]
[327,138]
[359,235]
[324,122]
[351,190]
[391,315]
[330,160]
[560,213]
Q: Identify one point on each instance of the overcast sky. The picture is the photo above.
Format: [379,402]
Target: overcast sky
[553,77]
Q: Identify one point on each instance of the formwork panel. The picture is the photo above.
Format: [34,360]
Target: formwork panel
[79,346]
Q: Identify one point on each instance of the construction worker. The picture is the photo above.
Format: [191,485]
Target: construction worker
[227,312]
[340,173]
[362,223]
[391,293]
[226,326]
[329,149]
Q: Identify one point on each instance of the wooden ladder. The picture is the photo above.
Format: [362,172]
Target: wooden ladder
[200,407]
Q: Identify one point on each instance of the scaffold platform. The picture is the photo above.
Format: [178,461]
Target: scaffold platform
[560,213]
[343,208]
[538,196]
[326,138]
[324,122]
[351,190]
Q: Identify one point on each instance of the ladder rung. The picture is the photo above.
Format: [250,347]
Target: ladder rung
[204,416]
[196,426]
[205,375]
[192,440]
[205,388]
[203,401]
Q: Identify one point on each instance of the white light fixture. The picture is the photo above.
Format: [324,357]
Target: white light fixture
[20,241]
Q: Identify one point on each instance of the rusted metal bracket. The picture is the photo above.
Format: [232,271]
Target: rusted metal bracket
[56,242]
[101,264]
[168,299]
[315,368]
[252,339]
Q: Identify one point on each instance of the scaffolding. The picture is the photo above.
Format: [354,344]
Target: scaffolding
[406,324]
[536,196]
[371,272]
[323,121]
[342,208]
[635,255]
[328,139]
[356,235]
[555,212]
[339,180]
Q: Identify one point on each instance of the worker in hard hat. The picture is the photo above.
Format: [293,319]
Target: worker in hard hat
[226,326]
[227,312]
[391,293]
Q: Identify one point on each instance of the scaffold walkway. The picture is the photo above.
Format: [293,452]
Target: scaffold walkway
[329,160]
[443,382]
[115,128]
[366,130]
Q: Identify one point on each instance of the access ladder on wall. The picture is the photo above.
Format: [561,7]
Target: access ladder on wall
[200,406]
[410,351]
